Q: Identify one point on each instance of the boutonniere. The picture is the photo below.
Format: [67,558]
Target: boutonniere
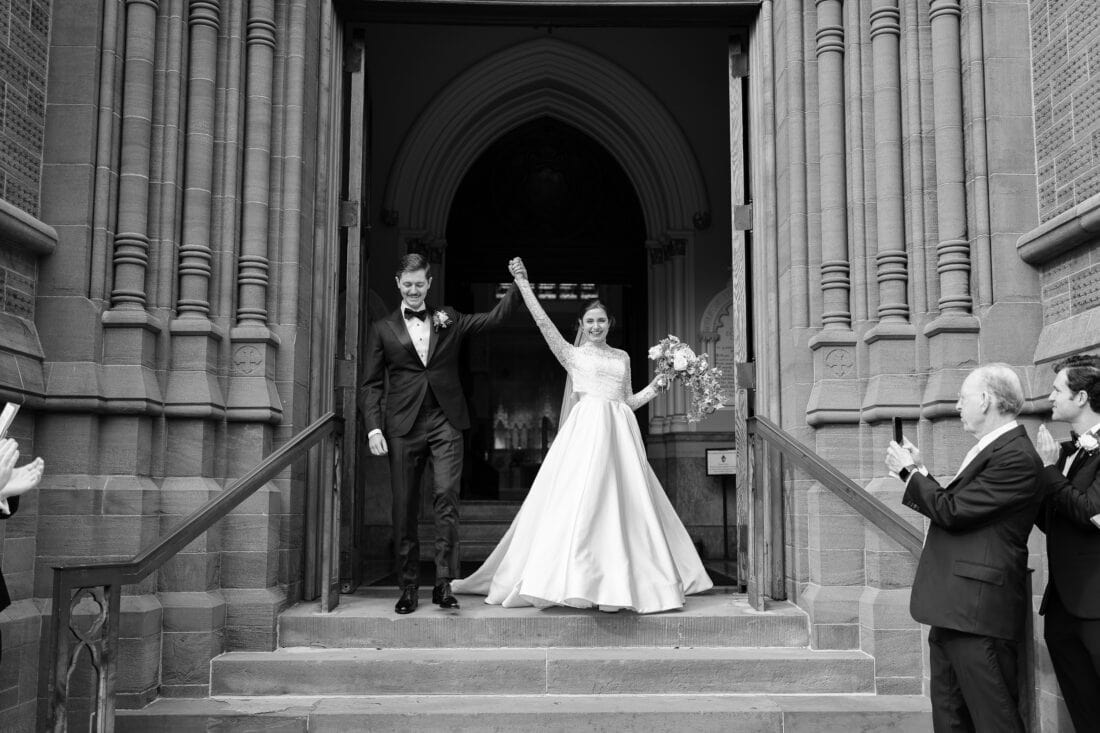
[1088,443]
[440,319]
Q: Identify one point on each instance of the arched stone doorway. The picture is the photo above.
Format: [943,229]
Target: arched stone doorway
[552,78]
[553,195]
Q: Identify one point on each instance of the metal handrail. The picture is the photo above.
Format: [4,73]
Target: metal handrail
[102,583]
[867,505]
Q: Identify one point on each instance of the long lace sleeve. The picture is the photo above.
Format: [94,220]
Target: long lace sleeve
[636,400]
[559,347]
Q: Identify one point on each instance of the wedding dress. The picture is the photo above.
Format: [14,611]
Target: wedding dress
[596,528]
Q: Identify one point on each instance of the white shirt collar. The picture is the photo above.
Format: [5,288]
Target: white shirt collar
[993,435]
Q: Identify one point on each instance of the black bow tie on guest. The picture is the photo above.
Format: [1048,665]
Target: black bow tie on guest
[1073,436]
[410,313]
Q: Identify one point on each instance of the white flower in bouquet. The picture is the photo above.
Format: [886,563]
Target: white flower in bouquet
[677,361]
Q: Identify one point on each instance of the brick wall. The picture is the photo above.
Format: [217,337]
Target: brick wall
[1065,44]
[24,51]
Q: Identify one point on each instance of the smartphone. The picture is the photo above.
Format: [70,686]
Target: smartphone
[898,438]
[7,416]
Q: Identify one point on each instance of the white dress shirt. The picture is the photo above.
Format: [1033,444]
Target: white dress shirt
[420,331]
[983,443]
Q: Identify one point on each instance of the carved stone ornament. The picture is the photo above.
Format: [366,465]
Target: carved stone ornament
[246,359]
[839,361]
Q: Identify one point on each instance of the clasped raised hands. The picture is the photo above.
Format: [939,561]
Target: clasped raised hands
[517,268]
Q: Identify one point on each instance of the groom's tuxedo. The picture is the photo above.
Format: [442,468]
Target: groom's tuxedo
[1071,603]
[425,412]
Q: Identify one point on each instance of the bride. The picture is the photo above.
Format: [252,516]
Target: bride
[596,528]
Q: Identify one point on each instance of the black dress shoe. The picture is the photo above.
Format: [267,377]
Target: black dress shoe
[410,598]
[442,596]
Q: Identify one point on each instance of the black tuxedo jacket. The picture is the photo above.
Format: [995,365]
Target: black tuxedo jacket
[390,353]
[5,599]
[971,573]
[1073,542]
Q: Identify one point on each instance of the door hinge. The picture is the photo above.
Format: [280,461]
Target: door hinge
[349,214]
[742,217]
[345,374]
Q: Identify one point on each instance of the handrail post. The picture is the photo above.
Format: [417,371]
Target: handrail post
[755,585]
[777,586]
[59,654]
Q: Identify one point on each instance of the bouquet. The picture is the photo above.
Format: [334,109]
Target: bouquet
[676,360]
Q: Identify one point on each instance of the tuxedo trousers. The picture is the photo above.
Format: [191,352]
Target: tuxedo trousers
[1074,646]
[974,685]
[432,443]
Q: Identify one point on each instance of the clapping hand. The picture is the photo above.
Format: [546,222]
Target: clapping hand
[24,478]
[1046,446]
[517,268]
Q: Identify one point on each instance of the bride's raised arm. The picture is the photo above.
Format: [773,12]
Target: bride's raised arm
[559,347]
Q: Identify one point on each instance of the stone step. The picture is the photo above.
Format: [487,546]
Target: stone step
[482,530]
[536,714]
[366,619]
[486,510]
[555,671]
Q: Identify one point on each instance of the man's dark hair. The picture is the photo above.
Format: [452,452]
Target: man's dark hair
[1082,375]
[411,263]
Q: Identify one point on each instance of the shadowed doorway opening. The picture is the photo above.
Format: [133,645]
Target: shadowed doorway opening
[548,193]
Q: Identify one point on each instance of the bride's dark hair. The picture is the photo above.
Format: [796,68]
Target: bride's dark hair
[591,305]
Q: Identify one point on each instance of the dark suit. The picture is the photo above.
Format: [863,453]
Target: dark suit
[1071,602]
[970,582]
[425,413]
[5,597]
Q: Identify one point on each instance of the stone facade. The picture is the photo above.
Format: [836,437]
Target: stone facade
[169,232]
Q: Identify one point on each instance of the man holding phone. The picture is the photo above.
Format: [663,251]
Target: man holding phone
[970,581]
[1068,516]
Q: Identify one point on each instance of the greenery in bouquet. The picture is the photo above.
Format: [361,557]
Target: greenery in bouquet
[677,361]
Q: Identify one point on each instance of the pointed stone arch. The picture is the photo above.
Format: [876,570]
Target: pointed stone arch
[546,77]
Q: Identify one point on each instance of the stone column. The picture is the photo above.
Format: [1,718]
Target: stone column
[194,609]
[131,392]
[249,547]
[892,390]
[835,396]
[834,531]
[951,340]
[835,267]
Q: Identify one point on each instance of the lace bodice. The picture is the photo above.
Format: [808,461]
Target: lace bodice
[597,370]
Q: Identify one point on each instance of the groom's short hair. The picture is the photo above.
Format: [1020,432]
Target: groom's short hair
[1082,375]
[411,263]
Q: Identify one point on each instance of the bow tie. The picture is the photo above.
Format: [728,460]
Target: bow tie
[410,313]
[1076,439]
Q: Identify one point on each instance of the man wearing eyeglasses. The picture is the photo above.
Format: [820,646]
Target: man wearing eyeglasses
[970,582]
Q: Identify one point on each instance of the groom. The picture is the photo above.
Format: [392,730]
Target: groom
[412,361]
